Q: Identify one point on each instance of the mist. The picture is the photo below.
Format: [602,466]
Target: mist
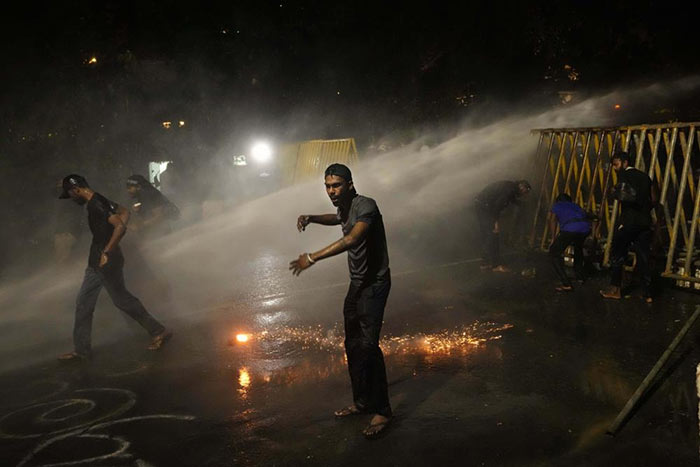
[424,191]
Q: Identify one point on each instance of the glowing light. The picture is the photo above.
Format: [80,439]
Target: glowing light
[167,125]
[92,61]
[617,106]
[261,152]
[243,377]
[243,382]
[181,123]
[242,338]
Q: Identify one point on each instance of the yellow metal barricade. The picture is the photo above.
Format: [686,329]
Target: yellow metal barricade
[577,161]
[300,162]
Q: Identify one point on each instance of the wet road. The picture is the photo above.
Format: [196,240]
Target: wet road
[483,370]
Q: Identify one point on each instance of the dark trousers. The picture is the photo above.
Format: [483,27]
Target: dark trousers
[639,238]
[490,247]
[560,244]
[112,279]
[364,313]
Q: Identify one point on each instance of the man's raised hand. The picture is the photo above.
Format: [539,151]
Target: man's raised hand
[302,222]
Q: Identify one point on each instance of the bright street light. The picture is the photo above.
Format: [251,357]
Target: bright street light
[261,152]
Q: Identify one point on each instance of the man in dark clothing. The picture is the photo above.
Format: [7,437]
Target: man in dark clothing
[150,219]
[370,281]
[574,227]
[489,204]
[636,195]
[107,222]
[152,210]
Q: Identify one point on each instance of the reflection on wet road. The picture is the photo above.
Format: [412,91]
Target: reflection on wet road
[288,355]
[455,341]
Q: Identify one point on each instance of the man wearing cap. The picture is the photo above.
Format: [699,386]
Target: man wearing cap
[107,222]
[152,210]
[489,204]
[370,281]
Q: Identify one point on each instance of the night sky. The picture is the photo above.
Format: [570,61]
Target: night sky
[338,67]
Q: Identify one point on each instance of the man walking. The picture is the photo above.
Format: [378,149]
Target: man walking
[574,227]
[107,222]
[370,281]
[152,210]
[636,195]
[489,204]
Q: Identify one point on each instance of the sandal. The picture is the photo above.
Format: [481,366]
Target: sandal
[374,430]
[347,411]
[160,340]
[610,295]
[73,357]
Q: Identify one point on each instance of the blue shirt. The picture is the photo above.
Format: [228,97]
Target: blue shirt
[571,217]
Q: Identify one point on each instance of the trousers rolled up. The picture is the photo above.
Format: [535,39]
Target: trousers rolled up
[639,239]
[560,244]
[112,279]
[363,314]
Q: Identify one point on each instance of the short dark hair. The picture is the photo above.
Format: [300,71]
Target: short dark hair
[623,156]
[563,197]
[340,170]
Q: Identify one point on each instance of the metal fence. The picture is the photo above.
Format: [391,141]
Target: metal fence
[577,161]
[309,159]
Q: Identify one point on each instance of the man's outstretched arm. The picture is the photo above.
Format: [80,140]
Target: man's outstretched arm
[305,260]
[323,219]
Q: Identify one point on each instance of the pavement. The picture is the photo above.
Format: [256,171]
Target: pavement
[484,369]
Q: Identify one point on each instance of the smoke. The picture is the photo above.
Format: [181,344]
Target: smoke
[424,193]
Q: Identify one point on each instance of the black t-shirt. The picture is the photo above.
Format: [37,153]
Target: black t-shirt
[368,261]
[99,210]
[150,200]
[496,197]
[636,213]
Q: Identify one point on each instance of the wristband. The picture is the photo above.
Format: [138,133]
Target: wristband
[308,256]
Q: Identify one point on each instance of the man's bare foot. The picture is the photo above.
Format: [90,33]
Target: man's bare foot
[347,411]
[159,341]
[376,426]
[563,288]
[500,268]
[611,293]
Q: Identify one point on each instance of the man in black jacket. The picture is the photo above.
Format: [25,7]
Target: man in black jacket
[489,204]
[636,195]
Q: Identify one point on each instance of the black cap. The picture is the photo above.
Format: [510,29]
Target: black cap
[72,181]
[340,170]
